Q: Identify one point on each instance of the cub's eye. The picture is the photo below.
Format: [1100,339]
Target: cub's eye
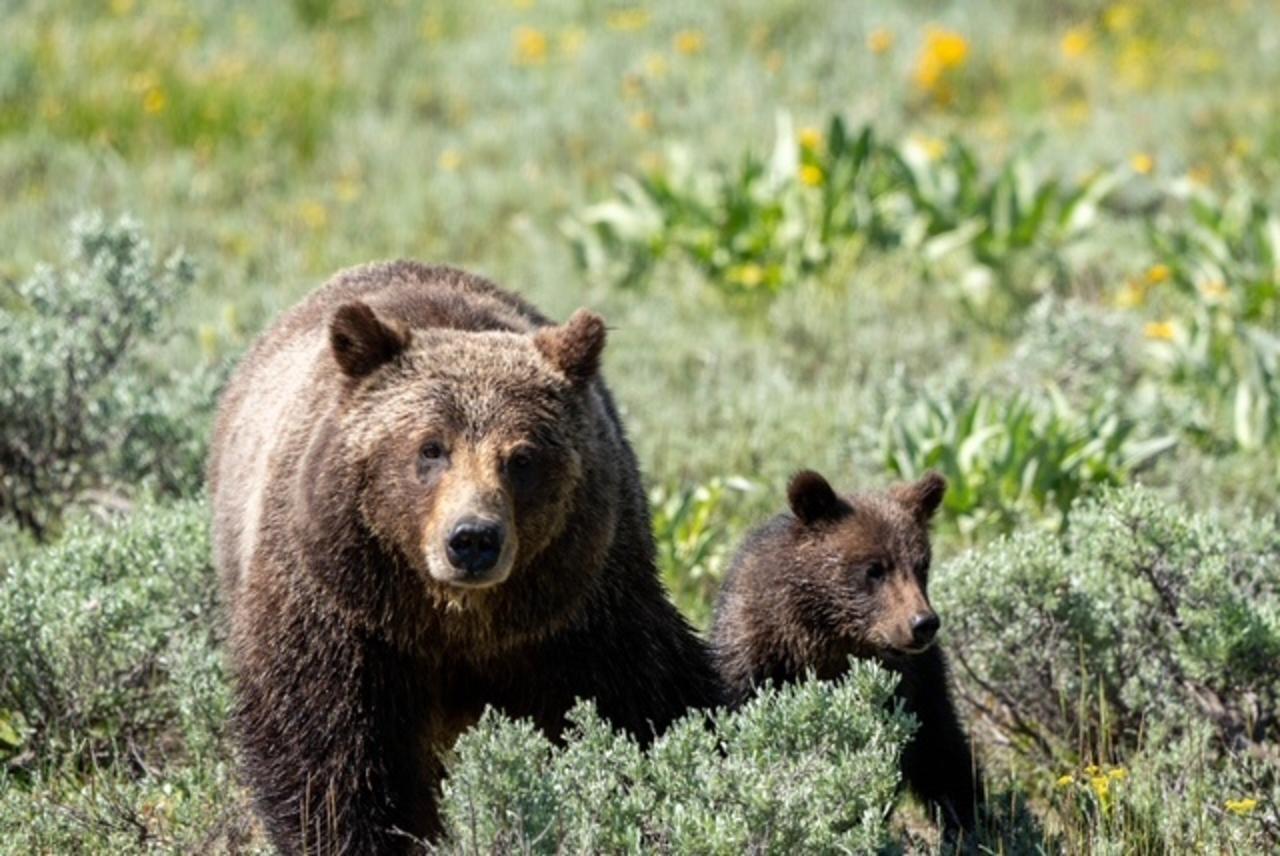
[876,571]
[431,452]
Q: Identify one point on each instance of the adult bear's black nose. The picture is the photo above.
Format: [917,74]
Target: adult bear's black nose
[474,545]
[924,626]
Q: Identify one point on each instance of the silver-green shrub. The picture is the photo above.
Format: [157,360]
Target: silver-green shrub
[105,642]
[80,409]
[811,768]
[113,700]
[1141,615]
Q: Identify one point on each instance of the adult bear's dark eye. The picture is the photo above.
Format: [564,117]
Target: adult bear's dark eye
[520,464]
[431,456]
[876,571]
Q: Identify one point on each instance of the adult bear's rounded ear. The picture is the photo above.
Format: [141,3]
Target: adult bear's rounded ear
[812,499]
[575,346]
[361,341]
[922,497]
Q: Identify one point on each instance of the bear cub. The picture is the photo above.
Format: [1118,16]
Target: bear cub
[845,576]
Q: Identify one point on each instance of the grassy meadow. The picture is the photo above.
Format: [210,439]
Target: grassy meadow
[1034,246]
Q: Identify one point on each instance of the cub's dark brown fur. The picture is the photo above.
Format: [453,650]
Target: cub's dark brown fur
[846,576]
[424,503]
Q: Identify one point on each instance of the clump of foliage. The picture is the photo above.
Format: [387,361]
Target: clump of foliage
[762,226]
[1138,656]
[809,768]
[1140,616]
[106,639]
[692,541]
[1008,239]
[1010,457]
[113,702]
[80,409]
[1222,258]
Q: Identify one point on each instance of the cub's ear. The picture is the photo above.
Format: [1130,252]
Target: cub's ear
[361,341]
[922,497]
[574,347]
[812,499]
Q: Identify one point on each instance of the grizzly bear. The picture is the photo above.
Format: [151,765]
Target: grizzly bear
[425,504]
[841,577]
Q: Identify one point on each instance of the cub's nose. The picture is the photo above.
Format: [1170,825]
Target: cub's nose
[474,545]
[924,626]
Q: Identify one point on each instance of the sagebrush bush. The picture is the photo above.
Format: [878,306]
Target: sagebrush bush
[79,407]
[106,642]
[1141,615]
[113,701]
[811,768]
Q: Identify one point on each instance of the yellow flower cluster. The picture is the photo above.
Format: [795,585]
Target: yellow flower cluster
[1241,807]
[628,20]
[689,42]
[1076,41]
[880,40]
[1098,780]
[530,46]
[944,52]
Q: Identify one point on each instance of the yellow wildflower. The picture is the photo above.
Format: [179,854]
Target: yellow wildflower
[810,139]
[943,52]
[121,8]
[449,160]
[1214,289]
[1240,146]
[1161,331]
[689,42]
[1101,786]
[530,46]
[1142,163]
[1076,41]
[1242,806]
[348,188]
[641,120]
[314,214]
[628,20]
[571,41]
[1119,774]
[155,100]
[749,274]
[1091,770]
[880,40]
[931,147]
[950,48]
[1065,780]
[811,175]
[432,29]
[655,65]
[1120,17]
[1158,273]
[1132,294]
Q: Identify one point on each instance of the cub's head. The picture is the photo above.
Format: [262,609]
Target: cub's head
[859,572]
[467,446]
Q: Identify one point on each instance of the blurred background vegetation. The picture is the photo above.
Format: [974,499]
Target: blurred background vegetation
[1035,246]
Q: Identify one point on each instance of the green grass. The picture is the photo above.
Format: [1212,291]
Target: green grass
[952,302]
